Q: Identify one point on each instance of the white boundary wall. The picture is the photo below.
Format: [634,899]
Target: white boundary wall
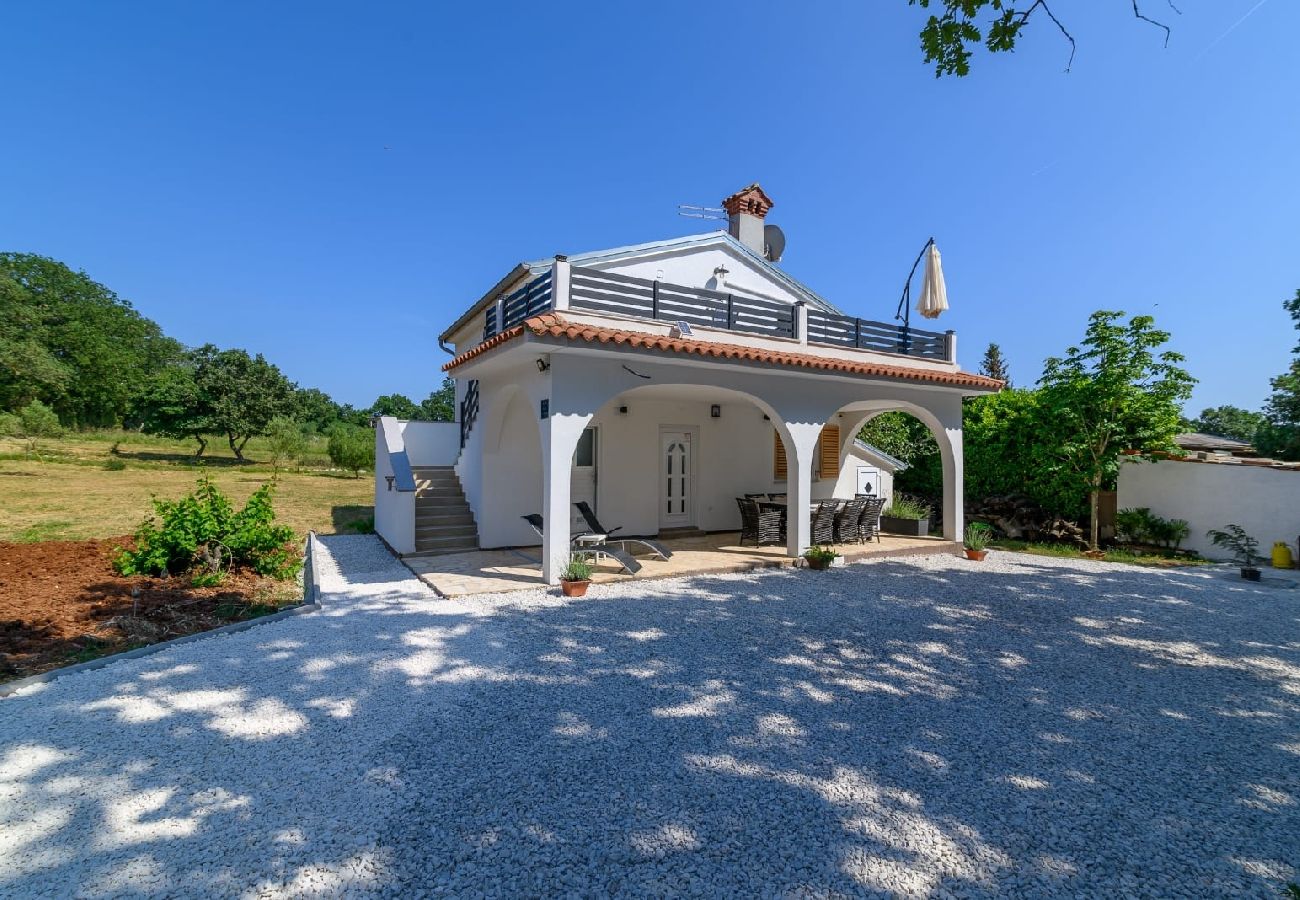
[1264,501]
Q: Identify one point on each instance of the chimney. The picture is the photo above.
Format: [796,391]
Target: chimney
[746,210]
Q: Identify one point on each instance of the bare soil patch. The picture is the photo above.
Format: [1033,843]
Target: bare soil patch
[61,602]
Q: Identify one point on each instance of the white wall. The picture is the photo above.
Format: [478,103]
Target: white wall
[431,443]
[694,267]
[394,509]
[1263,501]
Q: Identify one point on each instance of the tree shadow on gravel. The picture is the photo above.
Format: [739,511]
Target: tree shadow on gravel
[894,727]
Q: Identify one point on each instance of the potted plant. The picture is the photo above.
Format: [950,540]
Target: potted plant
[820,557]
[906,514]
[978,536]
[1242,545]
[576,576]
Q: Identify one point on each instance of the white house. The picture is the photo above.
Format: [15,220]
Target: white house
[659,382]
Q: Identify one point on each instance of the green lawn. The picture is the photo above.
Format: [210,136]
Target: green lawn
[65,491]
[1157,560]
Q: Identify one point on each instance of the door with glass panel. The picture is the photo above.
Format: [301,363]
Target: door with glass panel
[676,464]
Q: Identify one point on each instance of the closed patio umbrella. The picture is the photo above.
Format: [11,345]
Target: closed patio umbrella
[934,293]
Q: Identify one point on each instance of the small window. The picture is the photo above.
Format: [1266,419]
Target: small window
[585,455]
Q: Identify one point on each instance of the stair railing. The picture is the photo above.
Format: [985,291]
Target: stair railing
[468,411]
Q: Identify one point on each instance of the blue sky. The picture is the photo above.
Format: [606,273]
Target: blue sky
[330,184]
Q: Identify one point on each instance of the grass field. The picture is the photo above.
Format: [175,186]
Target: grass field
[67,492]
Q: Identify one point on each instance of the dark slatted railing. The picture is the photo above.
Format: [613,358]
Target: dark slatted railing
[529,300]
[864,334]
[623,295]
[468,411]
[595,291]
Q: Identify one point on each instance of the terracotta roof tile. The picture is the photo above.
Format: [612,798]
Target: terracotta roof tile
[554,325]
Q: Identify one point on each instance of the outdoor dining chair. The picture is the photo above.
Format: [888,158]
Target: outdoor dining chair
[823,522]
[869,523]
[758,524]
[848,521]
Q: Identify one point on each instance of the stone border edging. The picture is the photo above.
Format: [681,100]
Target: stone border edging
[310,603]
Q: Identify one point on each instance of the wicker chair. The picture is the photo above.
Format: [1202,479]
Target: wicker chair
[869,523]
[762,526]
[847,522]
[823,522]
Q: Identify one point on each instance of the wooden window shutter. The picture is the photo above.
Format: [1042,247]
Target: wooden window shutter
[778,457]
[829,452]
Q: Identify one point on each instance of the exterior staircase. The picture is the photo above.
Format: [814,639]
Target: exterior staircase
[443,520]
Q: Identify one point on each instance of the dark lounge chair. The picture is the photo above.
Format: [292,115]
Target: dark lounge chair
[623,558]
[589,516]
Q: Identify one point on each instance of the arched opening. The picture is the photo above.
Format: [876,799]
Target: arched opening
[906,454]
[671,459]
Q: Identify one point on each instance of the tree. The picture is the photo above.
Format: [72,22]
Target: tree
[285,440]
[1116,392]
[352,448]
[243,393]
[902,436]
[1280,435]
[72,343]
[170,404]
[32,423]
[994,365]
[315,409]
[1228,421]
[950,35]
[440,405]
[399,406]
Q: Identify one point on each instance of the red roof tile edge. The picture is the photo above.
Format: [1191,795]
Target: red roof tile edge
[554,325]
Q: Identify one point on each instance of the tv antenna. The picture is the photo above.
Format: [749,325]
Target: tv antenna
[701,212]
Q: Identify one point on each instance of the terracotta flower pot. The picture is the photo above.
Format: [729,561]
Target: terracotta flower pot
[574,588]
[817,562]
[977,555]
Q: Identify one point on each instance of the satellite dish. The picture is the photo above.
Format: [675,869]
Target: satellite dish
[773,242]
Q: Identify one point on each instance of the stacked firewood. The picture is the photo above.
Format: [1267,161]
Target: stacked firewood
[1021,519]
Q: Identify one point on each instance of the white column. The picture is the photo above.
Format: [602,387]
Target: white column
[801,321]
[560,283]
[560,435]
[800,451]
[950,345]
[954,473]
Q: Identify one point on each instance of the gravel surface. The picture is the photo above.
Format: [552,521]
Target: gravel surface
[920,727]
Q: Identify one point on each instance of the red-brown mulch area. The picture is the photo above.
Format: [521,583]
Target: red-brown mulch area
[61,603]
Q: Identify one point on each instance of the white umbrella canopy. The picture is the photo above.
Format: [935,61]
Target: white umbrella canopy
[934,293]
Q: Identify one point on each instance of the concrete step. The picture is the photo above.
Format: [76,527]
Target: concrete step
[441,531]
[455,544]
[442,517]
[433,505]
[437,552]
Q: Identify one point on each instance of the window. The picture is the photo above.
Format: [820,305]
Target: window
[585,455]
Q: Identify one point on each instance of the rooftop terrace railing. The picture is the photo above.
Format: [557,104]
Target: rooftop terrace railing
[593,290]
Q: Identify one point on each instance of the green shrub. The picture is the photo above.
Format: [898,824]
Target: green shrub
[202,532]
[285,440]
[364,525]
[978,536]
[1141,526]
[820,554]
[905,506]
[352,448]
[114,465]
[577,569]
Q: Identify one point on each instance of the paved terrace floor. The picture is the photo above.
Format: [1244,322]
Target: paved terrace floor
[493,571]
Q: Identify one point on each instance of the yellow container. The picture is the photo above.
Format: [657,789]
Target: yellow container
[1281,555]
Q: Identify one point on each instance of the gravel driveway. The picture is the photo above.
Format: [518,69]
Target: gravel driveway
[922,727]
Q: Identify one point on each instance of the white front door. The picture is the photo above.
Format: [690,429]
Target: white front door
[583,480]
[676,500]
